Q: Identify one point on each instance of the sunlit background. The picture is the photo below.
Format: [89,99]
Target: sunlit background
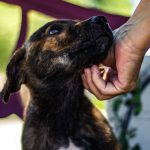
[10,18]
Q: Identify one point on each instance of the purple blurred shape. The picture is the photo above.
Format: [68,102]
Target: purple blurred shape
[14,106]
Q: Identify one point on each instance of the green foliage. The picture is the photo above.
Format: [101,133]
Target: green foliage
[136,147]
[10,20]
[137,100]
[131,133]
[122,7]
[99,104]
[124,142]
[116,105]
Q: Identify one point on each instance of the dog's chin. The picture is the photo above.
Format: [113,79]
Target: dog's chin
[99,52]
[103,44]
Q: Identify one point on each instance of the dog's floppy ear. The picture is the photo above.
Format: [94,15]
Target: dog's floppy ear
[14,74]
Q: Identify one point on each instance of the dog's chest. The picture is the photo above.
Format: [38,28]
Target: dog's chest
[71,146]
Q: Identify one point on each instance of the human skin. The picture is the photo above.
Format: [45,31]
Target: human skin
[131,41]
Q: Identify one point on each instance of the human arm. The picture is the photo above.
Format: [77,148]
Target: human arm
[131,42]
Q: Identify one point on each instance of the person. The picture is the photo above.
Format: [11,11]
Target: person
[131,41]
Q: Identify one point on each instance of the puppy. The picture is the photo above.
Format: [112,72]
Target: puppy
[50,64]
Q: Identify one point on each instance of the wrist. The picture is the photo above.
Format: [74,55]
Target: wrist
[134,36]
[139,22]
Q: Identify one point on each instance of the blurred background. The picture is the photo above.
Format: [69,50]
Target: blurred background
[19,19]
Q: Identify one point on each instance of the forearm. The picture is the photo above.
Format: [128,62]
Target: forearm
[139,27]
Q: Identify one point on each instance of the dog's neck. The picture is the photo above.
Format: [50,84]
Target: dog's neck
[61,103]
[59,94]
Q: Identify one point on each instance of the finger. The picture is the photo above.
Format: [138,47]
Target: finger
[106,88]
[93,90]
[104,97]
[90,83]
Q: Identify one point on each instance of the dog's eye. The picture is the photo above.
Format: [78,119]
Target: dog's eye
[51,32]
[55,30]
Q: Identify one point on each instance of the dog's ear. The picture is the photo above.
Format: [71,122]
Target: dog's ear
[14,75]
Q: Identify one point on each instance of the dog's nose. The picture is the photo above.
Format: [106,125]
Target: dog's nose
[98,20]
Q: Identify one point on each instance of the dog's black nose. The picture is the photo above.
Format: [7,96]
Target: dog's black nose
[98,20]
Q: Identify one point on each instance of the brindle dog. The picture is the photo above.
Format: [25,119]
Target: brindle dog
[59,116]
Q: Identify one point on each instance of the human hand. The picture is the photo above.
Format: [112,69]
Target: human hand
[124,61]
[131,41]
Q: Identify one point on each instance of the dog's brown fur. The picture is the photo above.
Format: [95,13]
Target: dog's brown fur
[51,64]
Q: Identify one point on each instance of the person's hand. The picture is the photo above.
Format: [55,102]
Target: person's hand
[124,61]
[131,41]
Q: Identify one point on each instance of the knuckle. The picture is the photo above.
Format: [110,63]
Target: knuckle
[99,97]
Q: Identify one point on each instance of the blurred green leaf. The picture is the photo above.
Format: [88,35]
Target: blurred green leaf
[10,25]
[136,147]
[124,142]
[132,133]
[116,104]
[122,7]
[137,99]
[99,104]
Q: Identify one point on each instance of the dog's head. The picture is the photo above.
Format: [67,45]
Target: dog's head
[59,48]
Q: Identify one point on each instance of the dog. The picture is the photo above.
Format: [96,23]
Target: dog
[50,64]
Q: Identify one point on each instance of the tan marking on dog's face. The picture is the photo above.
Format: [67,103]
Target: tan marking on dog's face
[51,44]
[57,42]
